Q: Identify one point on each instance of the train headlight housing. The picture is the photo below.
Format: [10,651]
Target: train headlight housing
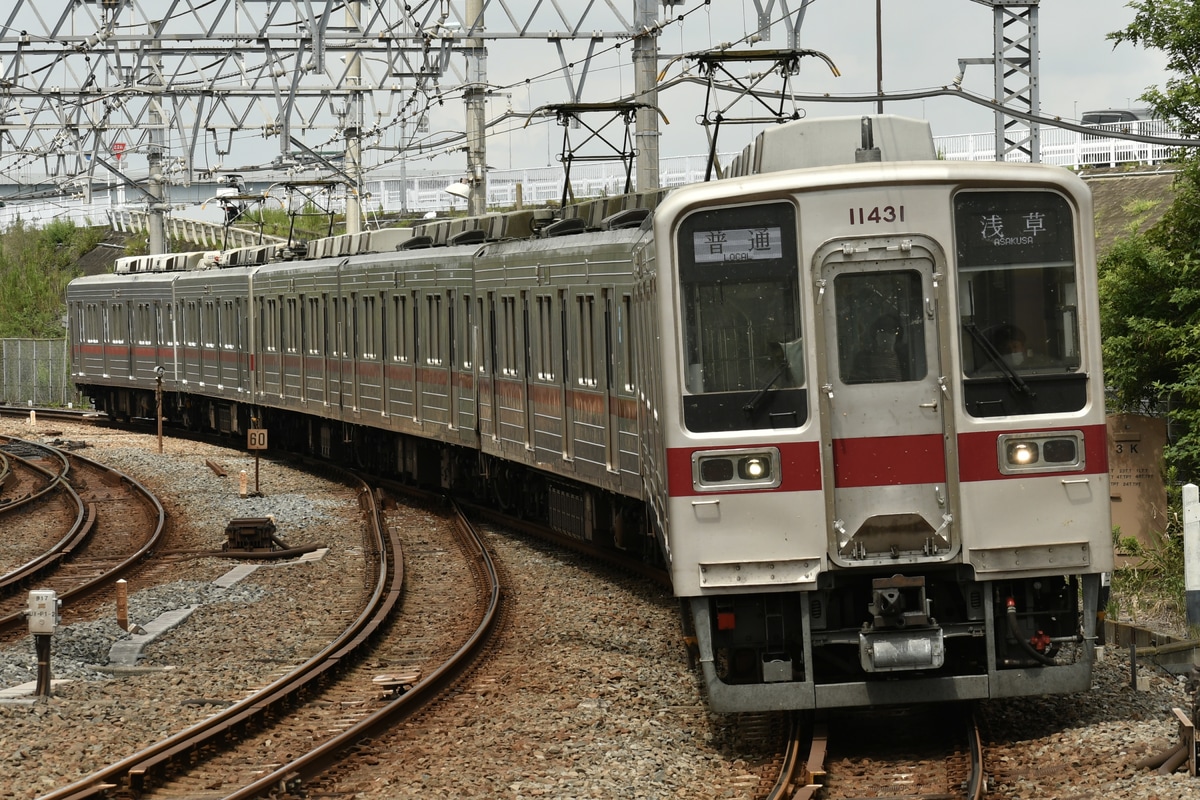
[725,470]
[1056,451]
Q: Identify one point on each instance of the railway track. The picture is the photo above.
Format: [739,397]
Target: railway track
[372,675]
[29,472]
[929,752]
[39,508]
[89,524]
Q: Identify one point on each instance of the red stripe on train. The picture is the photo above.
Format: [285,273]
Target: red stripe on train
[892,461]
[979,460]
[800,468]
[889,461]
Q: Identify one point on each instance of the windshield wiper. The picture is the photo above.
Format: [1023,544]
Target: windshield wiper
[994,356]
[752,404]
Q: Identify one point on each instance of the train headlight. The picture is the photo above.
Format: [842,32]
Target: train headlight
[724,470]
[1057,451]
[1022,454]
[754,468]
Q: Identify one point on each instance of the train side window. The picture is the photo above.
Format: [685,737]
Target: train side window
[232,319]
[542,343]
[369,338]
[142,324]
[507,351]
[586,340]
[466,334]
[483,360]
[116,324]
[270,321]
[208,332]
[384,329]
[624,343]
[293,323]
[400,328]
[313,329]
[216,325]
[449,326]
[191,323]
[433,331]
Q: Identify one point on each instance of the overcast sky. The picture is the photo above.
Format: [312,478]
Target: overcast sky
[922,42]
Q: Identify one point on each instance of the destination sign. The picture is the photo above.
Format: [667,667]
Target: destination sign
[737,244]
[997,228]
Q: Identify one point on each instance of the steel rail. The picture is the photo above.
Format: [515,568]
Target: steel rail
[798,779]
[96,583]
[53,479]
[325,755]
[131,774]
[85,517]
[977,780]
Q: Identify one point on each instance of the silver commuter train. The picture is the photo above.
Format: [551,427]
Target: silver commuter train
[850,394]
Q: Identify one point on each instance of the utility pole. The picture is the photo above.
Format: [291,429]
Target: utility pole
[354,122]
[476,97]
[879,55]
[645,71]
[156,212]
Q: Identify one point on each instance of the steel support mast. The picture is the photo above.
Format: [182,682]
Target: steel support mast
[1016,77]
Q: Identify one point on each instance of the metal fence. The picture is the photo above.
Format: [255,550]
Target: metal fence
[36,372]
[1064,148]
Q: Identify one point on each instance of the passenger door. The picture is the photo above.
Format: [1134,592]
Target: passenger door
[884,402]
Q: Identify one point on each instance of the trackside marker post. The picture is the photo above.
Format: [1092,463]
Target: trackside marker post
[1191,552]
[256,440]
[123,604]
[43,618]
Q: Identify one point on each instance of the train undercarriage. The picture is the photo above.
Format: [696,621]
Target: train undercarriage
[895,638]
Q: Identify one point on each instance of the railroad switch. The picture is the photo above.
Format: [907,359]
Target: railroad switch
[253,534]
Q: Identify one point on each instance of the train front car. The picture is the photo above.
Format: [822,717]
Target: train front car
[879,429]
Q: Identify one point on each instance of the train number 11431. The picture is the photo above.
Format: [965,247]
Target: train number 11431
[861,216]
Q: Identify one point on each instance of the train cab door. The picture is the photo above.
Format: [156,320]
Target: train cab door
[884,402]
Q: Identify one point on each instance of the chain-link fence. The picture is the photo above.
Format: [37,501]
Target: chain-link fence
[36,372]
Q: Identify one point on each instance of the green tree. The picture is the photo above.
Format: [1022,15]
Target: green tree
[1172,26]
[1150,284]
[35,266]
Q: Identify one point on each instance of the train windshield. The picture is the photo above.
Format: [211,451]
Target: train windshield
[740,303]
[1017,295]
